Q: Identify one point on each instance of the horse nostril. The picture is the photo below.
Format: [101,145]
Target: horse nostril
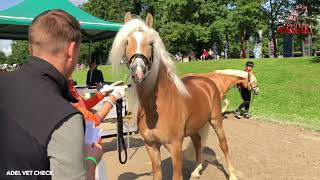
[144,69]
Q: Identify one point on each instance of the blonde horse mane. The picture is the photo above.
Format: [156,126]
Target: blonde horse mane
[160,54]
[238,73]
[233,72]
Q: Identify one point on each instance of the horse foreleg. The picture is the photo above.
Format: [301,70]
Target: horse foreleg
[226,102]
[176,154]
[196,140]
[155,156]
[216,123]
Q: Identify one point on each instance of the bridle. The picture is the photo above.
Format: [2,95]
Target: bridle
[147,62]
[143,57]
[253,89]
[249,82]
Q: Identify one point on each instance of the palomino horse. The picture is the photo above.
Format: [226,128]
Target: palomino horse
[168,109]
[224,79]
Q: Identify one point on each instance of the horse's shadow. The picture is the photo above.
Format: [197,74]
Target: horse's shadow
[226,114]
[208,156]
[131,175]
[112,146]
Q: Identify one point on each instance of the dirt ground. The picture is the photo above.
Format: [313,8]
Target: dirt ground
[259,150]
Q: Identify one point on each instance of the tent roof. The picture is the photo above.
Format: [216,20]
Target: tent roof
[14,22]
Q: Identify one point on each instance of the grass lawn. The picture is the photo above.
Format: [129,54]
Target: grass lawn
[289,88]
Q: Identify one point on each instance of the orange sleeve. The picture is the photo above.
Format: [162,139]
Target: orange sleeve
[93,100]
[88,115]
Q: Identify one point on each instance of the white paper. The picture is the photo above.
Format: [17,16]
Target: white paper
[92,133]
[101,171]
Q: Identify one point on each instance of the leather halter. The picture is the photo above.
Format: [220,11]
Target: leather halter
[147,62]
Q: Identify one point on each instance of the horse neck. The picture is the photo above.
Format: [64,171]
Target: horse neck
[228,81]
[163,86]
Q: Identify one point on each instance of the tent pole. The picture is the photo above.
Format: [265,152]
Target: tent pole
[90,41]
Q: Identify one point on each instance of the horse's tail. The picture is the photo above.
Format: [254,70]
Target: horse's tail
[189,152]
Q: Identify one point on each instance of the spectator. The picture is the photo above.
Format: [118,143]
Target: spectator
[94,76]
[178,57]
[211,54]
[215,50]
[40,129]
[204,55]
[226,49]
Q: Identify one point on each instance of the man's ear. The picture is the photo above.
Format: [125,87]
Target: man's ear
[70,50]
[30,50]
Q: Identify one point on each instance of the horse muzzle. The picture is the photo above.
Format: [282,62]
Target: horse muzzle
[138,72]
[256,90]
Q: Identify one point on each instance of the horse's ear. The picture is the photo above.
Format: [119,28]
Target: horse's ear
[127,17]
[149,20]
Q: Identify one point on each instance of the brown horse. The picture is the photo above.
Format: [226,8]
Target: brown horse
[168,108]
[224,79]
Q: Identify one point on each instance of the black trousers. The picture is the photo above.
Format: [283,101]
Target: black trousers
[246,96]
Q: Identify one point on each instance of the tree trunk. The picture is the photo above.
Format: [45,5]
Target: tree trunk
[273,37]
[275,52]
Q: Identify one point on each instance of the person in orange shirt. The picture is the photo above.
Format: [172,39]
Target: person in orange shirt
[84,106]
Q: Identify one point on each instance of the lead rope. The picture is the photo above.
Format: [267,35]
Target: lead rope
[121,142]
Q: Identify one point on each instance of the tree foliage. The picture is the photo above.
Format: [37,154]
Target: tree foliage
[186,25]
[20,51]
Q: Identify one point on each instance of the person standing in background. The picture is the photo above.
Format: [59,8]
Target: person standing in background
[226,49]
[94,76]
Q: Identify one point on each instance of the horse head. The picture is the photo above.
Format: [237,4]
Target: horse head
[252,84]
[139,49]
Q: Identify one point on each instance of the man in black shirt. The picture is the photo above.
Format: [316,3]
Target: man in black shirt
[40,131]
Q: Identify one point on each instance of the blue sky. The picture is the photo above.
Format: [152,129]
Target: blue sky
[8,3]
[5,45]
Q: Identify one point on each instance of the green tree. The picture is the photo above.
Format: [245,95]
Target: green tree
[108,10]
[246,18]
[313,20]
[276,11]
[313,6]
[20,51]
[190,24]
[3,58]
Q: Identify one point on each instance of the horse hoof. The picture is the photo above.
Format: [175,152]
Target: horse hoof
[195,174]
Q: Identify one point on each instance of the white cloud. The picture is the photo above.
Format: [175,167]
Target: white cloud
[78,2]
[5,46]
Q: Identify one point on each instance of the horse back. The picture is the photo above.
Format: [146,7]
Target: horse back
[203,101]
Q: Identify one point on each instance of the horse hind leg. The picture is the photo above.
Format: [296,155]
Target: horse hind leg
[226,102]
[196,140]
[216,123]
